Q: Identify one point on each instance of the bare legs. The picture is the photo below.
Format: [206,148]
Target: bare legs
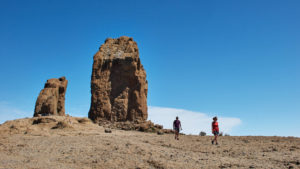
[215,139]
[176,135]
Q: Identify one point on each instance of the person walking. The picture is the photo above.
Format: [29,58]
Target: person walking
[215,130]
[177,128]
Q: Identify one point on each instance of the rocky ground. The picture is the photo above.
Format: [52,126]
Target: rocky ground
[71,143]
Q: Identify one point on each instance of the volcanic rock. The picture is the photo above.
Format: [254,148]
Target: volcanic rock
[118,84]
[51,100]
[107,130]
[160,132]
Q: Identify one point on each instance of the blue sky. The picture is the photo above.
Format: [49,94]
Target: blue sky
[235,59]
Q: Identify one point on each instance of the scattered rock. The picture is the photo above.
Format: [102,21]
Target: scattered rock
[119,86]
[160,132]
[107,130]
[62,125]
[245,141]
[225,166]
[295,162]
[51,100]
[146,126]
[43,120]
[155,164]
[295,147]
[13,127]
[168,131]
[158,126]
[84,120]
[143,127]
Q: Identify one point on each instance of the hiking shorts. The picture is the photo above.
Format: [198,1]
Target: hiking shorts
[176,129]
[216,133]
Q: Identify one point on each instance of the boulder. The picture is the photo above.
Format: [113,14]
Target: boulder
[118,83]
[107,130]
[62,125]
[51,100]
[160,132]
[168,131]
[146,126]
[158,126]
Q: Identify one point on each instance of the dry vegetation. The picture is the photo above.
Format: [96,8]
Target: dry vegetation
[69,142]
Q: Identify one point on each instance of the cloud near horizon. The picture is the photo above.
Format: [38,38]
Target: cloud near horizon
[192,122]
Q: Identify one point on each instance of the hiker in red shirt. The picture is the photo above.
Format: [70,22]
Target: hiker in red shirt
[215,130]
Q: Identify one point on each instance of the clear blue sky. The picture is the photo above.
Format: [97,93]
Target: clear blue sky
[230,58]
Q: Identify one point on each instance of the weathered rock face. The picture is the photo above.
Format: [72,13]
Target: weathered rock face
[51,100]
[119,87]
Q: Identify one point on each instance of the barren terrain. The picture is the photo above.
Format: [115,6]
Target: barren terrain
[71,143]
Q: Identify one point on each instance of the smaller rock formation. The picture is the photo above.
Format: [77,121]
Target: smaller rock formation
[51,100]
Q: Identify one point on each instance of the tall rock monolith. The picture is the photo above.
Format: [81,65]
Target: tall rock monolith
[118,84]
[51,100]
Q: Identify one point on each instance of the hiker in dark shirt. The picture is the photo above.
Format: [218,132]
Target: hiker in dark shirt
[177,128]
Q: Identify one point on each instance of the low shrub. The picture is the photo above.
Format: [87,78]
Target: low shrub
[202,133]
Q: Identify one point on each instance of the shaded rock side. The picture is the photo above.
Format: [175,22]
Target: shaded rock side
[118,84]
[51,100]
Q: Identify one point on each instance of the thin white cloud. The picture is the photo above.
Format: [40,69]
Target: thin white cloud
[8,112]
[192,122]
